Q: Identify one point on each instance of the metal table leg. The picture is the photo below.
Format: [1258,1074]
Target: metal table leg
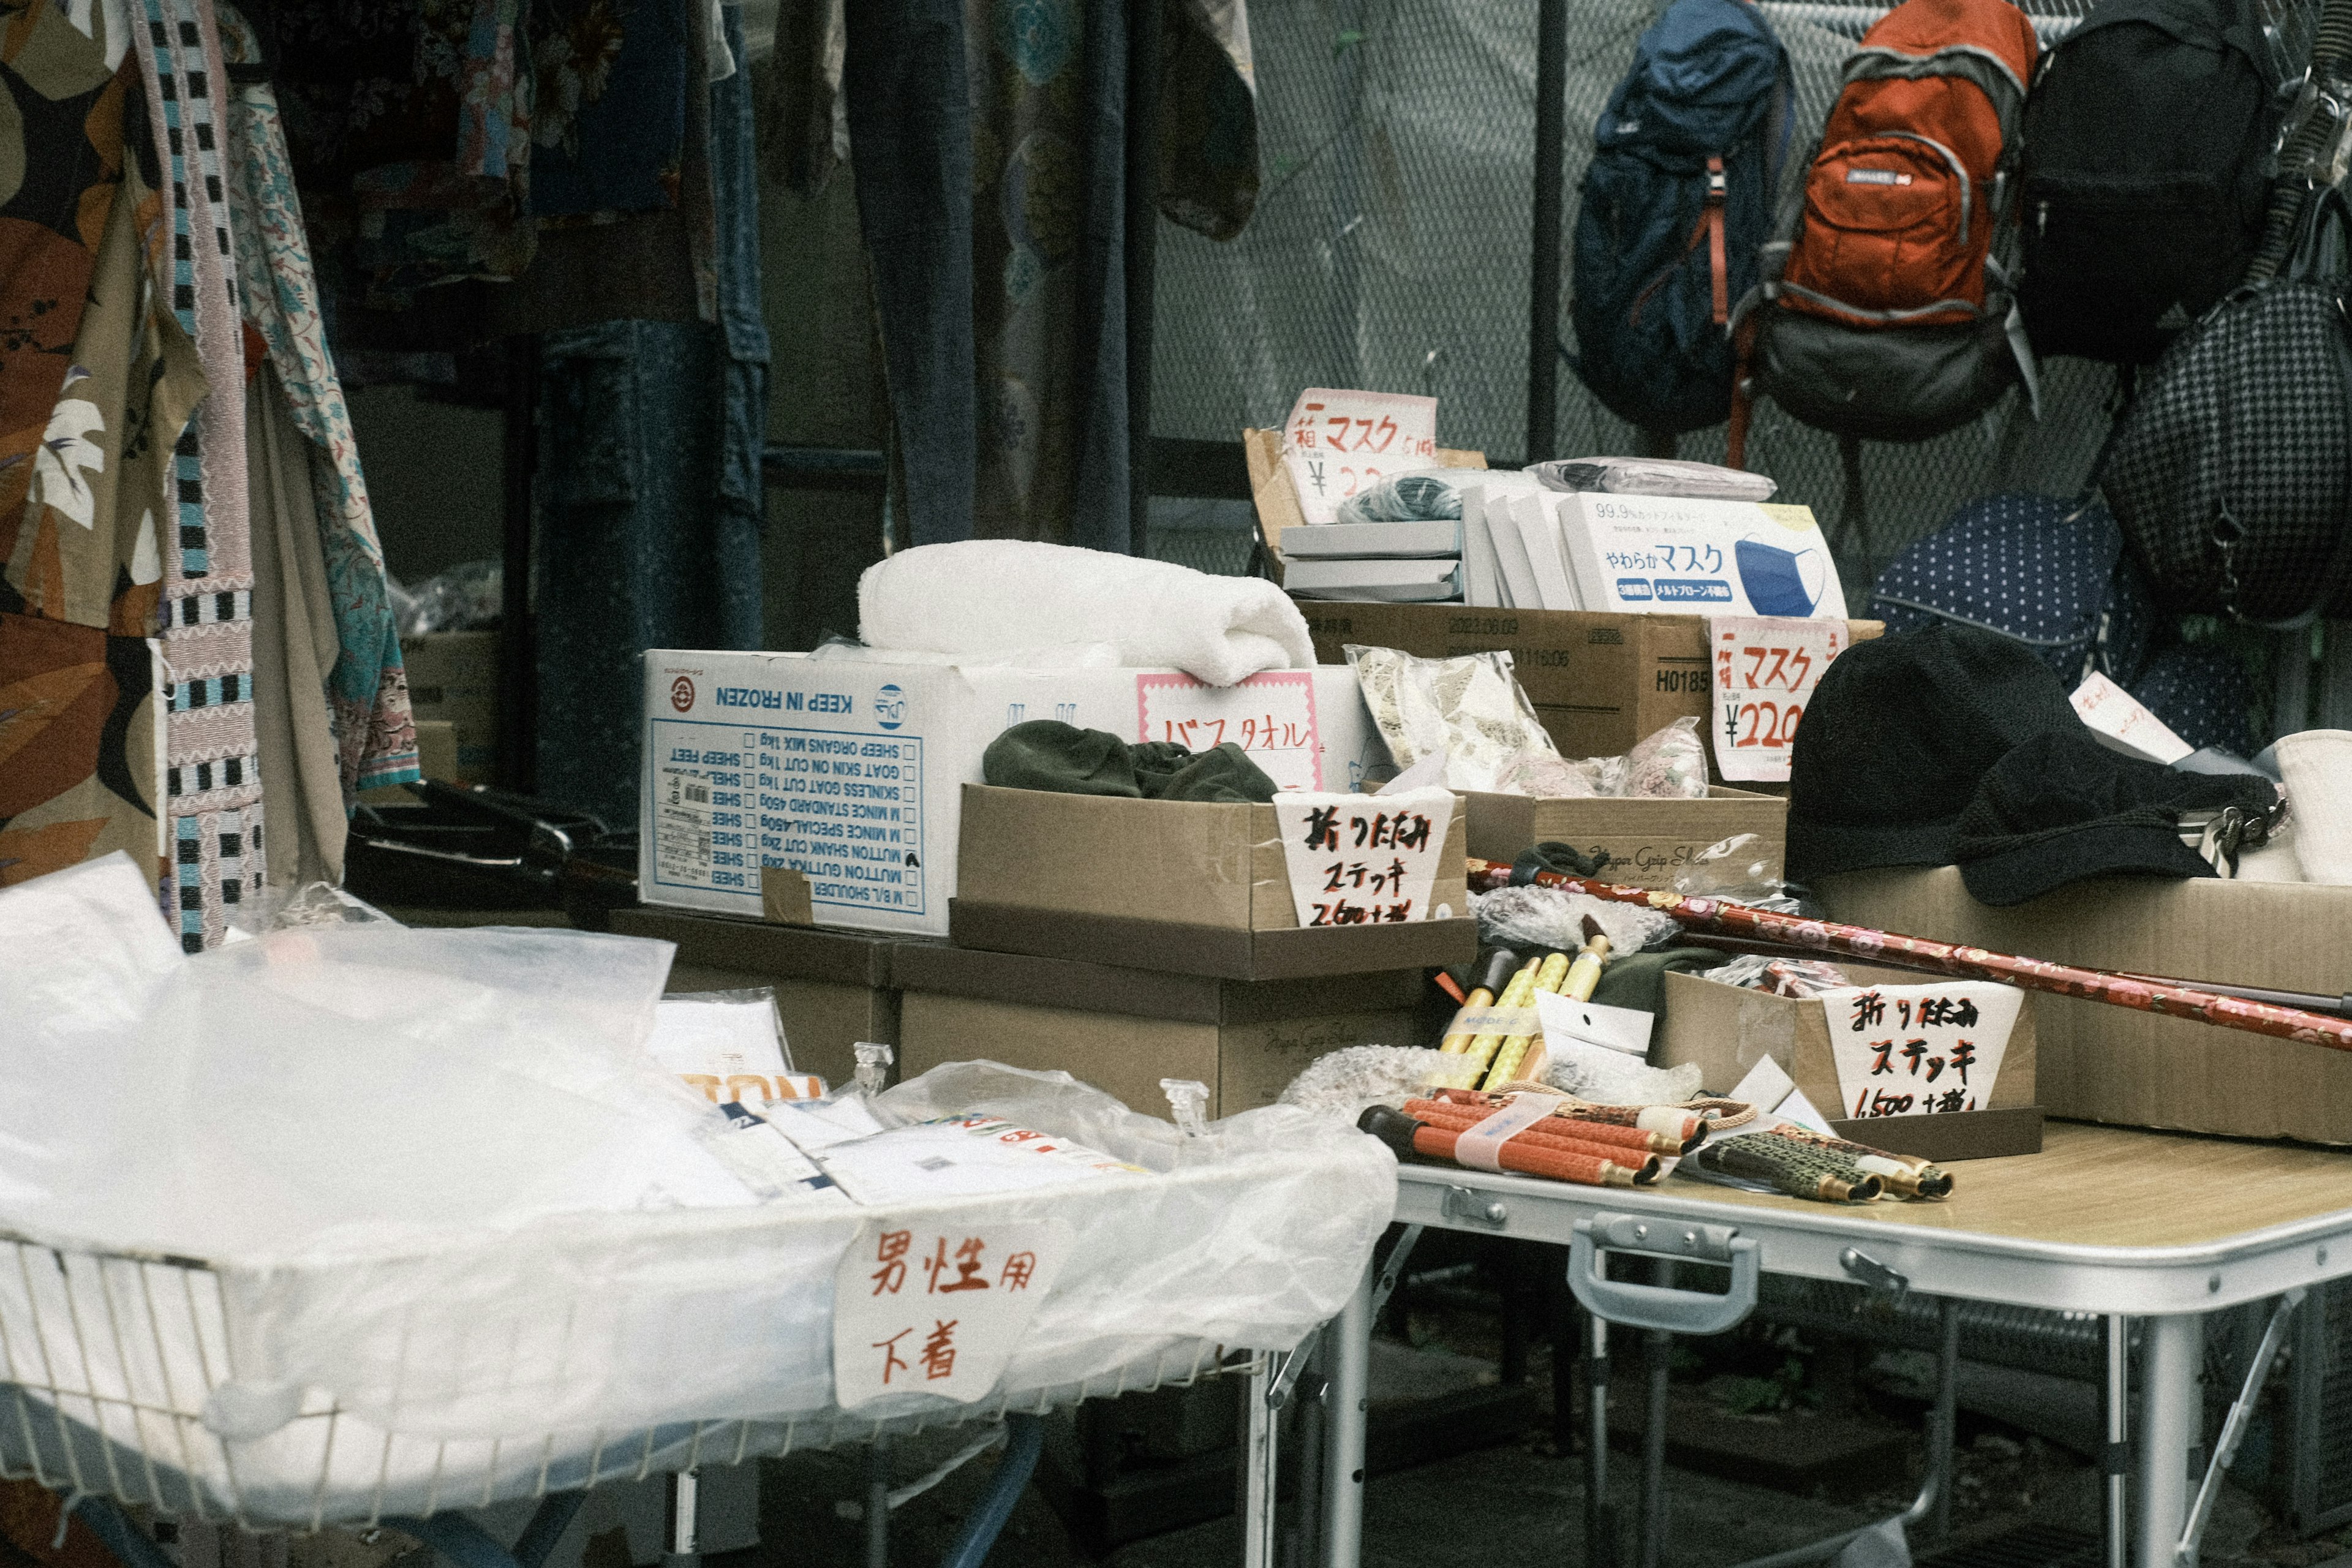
[2118,1394]
[2172,1415]
[1260,1454]
[1343,1460]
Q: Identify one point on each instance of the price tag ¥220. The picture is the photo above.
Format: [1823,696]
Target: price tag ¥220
[1765,672]
[1339,443]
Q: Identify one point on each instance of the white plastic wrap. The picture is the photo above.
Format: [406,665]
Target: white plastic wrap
[428,1181]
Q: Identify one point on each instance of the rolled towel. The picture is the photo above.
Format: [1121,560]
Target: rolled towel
[984,595]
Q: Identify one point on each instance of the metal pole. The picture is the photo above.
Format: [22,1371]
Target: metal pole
[1600,1518]
[2118,1439]
[877,1502]
[1140,255]
[518,680]
[1550,210]
[1343,1455]
[2172,1413]
[1259,1457]
[682,1541]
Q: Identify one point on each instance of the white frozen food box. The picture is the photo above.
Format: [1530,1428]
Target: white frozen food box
[852,772]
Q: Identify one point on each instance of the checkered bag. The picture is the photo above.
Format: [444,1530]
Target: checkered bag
[2231,471]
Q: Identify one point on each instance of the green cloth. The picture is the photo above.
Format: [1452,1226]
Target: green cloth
[1638,979]
[1047,755]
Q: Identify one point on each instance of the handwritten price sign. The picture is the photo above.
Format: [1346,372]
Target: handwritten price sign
[918,1310]
[1337,444]
[1765,672]
[1362,860]
[1271,716]
[1919,1050]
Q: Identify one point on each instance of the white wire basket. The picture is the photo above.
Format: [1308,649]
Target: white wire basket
[111,1359]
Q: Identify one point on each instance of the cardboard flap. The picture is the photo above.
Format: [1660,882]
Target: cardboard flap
[1185,863]
[1275,497]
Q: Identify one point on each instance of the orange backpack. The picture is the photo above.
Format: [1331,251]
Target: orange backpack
[1901,202]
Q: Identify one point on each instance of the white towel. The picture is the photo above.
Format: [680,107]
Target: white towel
[984,595]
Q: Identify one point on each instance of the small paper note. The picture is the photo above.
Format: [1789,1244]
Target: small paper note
[1362,860]
[1765,1086]
[1337,444]
[2122,725]
[918,1310]
[1805,1113]
[1917,1050]
[1623,1029]
[1271,716]
[1765,672]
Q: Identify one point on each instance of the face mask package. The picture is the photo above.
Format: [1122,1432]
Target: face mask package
[389,1207]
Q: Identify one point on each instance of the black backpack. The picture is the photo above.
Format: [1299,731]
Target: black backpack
[2147,145]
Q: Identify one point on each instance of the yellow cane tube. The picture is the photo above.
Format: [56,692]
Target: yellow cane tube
[1514,1051]
[1520,993]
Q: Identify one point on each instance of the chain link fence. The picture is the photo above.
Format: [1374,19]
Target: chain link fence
[1391,250]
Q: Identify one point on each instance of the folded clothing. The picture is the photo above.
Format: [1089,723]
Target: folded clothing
[986,595]
[1047,755]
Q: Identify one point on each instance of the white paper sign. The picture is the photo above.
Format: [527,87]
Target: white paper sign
[1765,672]
[1623,1029]
[1271,716]
[2119,721]
[918,1310]
[1339,443]
[1362,860]
[1917,1050]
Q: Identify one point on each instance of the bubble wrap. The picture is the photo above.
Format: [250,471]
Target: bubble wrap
[1525,918]
[1345,1082]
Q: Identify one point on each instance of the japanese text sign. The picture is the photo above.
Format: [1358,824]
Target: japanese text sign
[1917,1050]
[1271,716]
[1362,860]
[1338,444]
[922,1308]
[1765,672]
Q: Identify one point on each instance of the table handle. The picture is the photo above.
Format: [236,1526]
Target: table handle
[1657,1306]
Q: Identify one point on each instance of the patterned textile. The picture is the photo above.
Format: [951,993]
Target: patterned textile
[611,98]
[212,782]
[368,689]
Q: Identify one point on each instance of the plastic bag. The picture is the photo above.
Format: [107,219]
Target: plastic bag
[1406,497]
[466,598]
[1669,764]
[1654,477]
[1532,919]
[1470,710]
[1781,976]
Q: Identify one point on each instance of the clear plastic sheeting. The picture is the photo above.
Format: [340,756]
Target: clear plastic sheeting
[350,1221]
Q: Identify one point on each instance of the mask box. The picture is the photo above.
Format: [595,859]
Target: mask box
[852,772]
[2105,1063]
[1699,557]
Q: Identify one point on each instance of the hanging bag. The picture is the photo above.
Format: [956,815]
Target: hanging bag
[2231,471]
[1676,205]
[2144,174]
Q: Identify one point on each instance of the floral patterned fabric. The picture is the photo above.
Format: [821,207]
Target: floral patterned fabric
[376,738]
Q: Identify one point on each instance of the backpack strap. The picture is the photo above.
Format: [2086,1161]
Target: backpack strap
[1718,265]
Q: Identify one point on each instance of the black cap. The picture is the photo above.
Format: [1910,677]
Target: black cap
[2062,808]
[1898,733]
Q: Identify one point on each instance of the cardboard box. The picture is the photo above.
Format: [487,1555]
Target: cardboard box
[852,772]
[1727,1030]
[2105,1063]
[1600,681]
[1649,842]
[1192,888]
[453,676]
[1123,1030]
[833,988]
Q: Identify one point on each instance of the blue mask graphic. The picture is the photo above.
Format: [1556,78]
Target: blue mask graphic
[1776,579]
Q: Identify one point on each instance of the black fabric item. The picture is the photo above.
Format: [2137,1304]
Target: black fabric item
[1565,859]
[1047,755]
[1885,384]
[2147,139]
[1638,979]
[2061,807]
[1900,732]
[2230,472]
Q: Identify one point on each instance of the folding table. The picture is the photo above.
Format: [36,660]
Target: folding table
[2161,1228]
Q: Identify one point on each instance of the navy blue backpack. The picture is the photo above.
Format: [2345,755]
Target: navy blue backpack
[2050,574]
[1676,202]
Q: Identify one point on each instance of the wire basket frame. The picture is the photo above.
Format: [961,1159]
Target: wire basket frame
[111,1360]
